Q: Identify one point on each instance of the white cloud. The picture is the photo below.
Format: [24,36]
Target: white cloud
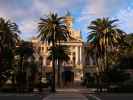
[95,7]
[40,7]
[28,26]
[101,8]
[107,8]
[125,17]
[92,8]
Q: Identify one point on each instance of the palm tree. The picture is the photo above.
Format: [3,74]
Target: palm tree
[105,35]
[52,30]
[24,51]
[60,54]
[8,38]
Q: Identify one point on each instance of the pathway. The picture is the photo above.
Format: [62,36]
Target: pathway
[71,92]
[67,94]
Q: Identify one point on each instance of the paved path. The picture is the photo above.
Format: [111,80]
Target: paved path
[71,92]
[67,94]
[116,96]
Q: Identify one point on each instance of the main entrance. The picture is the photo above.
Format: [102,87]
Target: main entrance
[67,76]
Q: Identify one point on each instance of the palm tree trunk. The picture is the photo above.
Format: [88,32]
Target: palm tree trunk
[107,67]
[59,62]
[53,66]
[20,74]
[0,55]
[53,76]
[98,76]
[98,73]
[59,82]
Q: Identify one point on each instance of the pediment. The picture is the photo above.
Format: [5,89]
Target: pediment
[73,39]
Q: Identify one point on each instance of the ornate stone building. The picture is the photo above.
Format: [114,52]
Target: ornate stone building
[76,46]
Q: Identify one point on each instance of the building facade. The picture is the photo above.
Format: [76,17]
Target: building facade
[76,49]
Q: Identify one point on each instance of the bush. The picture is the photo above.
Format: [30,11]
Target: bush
[8,89]
[122,89]
[89,80]
[115,76]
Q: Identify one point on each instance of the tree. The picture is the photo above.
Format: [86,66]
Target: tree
[106,36]
[125,57]
[60,54]
[116,76]
[52,30]
[24,51]
[9,36]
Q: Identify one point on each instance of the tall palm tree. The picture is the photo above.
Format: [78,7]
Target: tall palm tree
[52,30]
[105,36]
[60,53]
[9,36]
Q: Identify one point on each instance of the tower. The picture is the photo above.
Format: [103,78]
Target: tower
[76,34]
[69,21]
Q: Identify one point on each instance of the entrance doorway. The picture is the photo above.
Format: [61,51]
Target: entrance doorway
[67,77]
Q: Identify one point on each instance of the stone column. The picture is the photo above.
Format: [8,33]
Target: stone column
[44,61]
[80,55]
[76,55]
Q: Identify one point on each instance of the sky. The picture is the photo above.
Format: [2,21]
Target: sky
[27,13]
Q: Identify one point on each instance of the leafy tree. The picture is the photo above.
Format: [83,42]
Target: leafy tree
[52,30]
[9,36]
[126,53]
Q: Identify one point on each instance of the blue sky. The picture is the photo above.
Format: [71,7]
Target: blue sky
[26,13]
